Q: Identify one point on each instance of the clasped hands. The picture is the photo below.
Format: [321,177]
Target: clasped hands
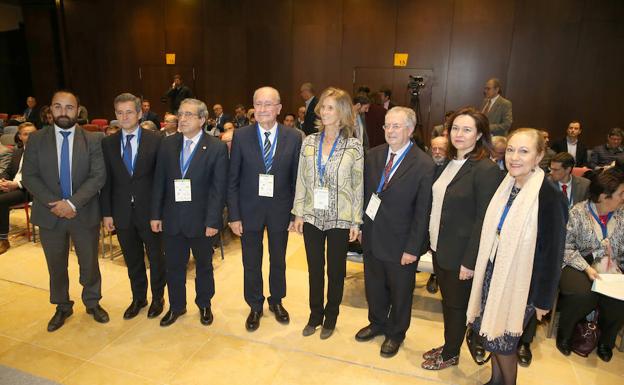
[62,209]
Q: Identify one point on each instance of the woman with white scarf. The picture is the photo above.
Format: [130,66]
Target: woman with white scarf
[520,254]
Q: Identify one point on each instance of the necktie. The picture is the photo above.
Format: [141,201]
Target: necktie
[487,107]
[387,171]
[127,154]
[564,189]
[65,170]
[268,161]
[187,151]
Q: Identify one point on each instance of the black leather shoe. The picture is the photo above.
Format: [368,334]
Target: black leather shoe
[604,352]
[326,332]
[171,317]
[524,354]
[367,333]
[134,309]
[99,315]
[479,351]
[58,319]
[389,348]
[253,320]
[432,284]
[156,308]
[205,316]
[281,315]
[564,347]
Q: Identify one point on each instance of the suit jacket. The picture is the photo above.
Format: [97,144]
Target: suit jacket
[224,119]
[364,138]
[246,163]
[34,116]
[176,96]
[121,188]
[581,150]
[5,158]
[208,174]
[580,189]
[402,221]
[152,117]
[40,175]
[465,202]
[500,116]
[310,117]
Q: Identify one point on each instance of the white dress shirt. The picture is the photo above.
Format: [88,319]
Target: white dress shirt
[59,145]
[134,142]
[396,158]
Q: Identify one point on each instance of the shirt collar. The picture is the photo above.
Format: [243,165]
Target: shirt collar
[135,133]
[194,139]
[400,151]
[58,129]
[272,130]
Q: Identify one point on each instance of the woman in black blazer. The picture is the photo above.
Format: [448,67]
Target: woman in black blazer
[463,188]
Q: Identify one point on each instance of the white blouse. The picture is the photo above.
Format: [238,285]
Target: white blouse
[439,190]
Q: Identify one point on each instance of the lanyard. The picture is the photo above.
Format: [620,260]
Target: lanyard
[394,167]
[321,167]
[502,220]
[273,146]
[123,148]
[603,226]
[184,167]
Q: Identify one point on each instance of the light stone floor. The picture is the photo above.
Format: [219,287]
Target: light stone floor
[139,351]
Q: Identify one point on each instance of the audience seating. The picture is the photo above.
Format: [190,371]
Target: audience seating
[26,206]
[15,116]
[4,116]
[100,122]
[10,130]
[92,127]
[579,171]
[7,139]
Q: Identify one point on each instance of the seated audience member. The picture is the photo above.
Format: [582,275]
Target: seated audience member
[47,120]
[148,125]
[300,117]
[240,116]
[228,134]
[111,129]
[605,154]
[439,148]
[148,115]
[572,144]
[11,190]
[5,156]
[32,112]
[250,116]
[442,129]
[289,121]
[83,114]
[548,153]
[171,125]
[575,188]
[217,123]
[594,245]
[499,145]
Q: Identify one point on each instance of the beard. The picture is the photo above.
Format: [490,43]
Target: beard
[65,121]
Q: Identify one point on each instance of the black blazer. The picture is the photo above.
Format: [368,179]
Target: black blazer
[224,119]
[119,189]
[581,150]
[310,117]
[465,203]
[208,174]
[246,163]
[402,221]
[13,167]
[152,117]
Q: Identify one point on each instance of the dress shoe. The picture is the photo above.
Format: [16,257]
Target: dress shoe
[155,308]
[438,363]
[253,320]
[367,333]
[432,284]
[604,352]
[171,317]
[281,315]
[205,316]
[524,354]
[433,353]
[308,330]
[326,332]
[389,348]
[564,347]
[58,319]
[99,315]
[134,309]
[4,245]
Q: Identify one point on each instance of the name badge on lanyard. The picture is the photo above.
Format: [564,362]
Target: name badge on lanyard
[321,194]
[182,189]
[373,206]
[266,182]
[265,185]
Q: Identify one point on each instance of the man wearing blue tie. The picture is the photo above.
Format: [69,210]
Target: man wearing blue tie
[64,170]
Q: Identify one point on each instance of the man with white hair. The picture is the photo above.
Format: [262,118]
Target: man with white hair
[438,149]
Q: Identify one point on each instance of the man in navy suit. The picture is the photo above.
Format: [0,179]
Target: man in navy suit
[263,175]
[187,205]
[148,114]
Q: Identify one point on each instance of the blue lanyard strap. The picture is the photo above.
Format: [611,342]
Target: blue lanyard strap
[321,167]
[502,220]
[273,146]
[184,167]
[603,226]
[123,148]
[394,167]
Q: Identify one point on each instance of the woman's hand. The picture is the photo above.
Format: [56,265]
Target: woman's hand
[539,313]
[465,273]
[592,273]
[353,234]
[298,225]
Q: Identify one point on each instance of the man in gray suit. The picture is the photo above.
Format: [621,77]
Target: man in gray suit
[575,188]
[497,108]
[64,171]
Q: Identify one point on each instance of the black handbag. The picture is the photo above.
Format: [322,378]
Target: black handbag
[475,346]
[585,337]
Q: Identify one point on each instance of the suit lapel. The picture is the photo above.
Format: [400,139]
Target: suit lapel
[405,165]
[78,154]
[281,143]
[200,152]
[143,147]
[465,169]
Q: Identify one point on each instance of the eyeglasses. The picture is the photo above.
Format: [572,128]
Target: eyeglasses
[186,114]
[264,105]
[392,126]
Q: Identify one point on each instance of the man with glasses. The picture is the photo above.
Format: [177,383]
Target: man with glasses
[497,108]
[171,125]
[187,206]
[262,179]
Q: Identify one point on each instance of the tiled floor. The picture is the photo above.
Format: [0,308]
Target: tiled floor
[139,351]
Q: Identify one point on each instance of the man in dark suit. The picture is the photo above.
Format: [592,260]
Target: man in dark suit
[215,126]
[572,145]
[177,93]
[187,205]
[574,188]
[148,115]
[361,104]
[397,193]
[384,97]
[309,121]
[64,170]
[130,158]
[32,113]
[497,108]
[12,191]
[263,175]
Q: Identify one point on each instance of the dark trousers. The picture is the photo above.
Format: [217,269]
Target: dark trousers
[7,200]
[577,300]
[177,253]
[252,247]
[455,296]
[337,243]
[529,330]
[134,241]
[389,291]
[55,244]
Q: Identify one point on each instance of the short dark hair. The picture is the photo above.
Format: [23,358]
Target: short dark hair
[616,131]
[362,99]
[386,91]
[605,182]
[564,158]
[483,147]
[66,91]
[239,106]
[289,114]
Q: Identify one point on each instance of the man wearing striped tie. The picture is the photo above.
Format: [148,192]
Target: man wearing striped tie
[263,174]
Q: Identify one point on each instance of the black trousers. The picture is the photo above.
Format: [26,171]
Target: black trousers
[55,244]
[8,199]
[529,330]
[134,241]
[337,243]
[455,296]
[577,300]
[389,291]
[252,247]
[177,253]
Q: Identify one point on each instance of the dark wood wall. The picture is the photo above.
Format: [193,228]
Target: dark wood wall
[558,59]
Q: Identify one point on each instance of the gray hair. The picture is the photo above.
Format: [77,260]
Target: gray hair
[202,109]
[148,125]
[499,139]
[276,92]
[128,97]
[408,113]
